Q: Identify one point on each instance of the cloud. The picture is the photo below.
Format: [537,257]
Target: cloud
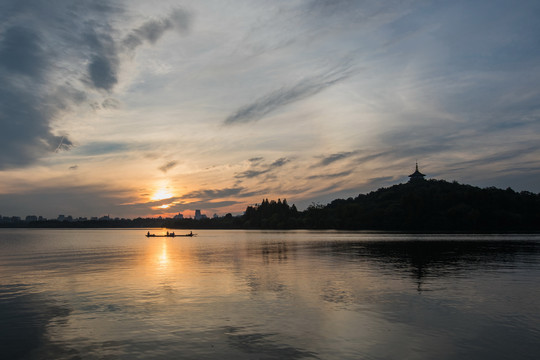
[105,63]
[74,167]
[104,67]
[287,95]
[103,70]
[21,52]
[168,166]
[252,173]
[202,199]
[256,159]
[110,103]
[336,157]
[248,174]
[212,194]
[330,176]
[53,58]
[23,66]
[152,30]
[500,155]
[33,42]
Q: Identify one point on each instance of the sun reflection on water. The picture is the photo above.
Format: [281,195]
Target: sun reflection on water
[163,259]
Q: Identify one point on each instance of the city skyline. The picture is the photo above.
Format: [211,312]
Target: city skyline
[139,109]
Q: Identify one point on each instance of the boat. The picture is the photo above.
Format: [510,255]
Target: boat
[172,234]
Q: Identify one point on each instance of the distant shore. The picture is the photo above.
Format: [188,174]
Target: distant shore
[427,206]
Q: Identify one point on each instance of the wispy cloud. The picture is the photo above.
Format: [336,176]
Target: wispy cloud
[327,160]
[152,30]
[168,166]
[208,194]
[262,169]
[303,89]
[330,176]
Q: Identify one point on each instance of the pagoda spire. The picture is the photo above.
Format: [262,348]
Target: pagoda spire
[416,175]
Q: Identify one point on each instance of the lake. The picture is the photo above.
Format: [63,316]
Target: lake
[232,294]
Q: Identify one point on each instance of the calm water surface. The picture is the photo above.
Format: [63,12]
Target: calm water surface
[114,294]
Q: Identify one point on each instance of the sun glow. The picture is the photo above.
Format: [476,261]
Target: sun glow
[162,193]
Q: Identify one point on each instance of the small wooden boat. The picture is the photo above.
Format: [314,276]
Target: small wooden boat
[191,234]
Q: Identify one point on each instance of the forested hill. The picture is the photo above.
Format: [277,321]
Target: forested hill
[426,205]
[433,205]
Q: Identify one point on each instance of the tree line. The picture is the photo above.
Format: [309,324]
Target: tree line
[429,205]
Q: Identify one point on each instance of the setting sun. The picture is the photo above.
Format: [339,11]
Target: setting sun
[161,194]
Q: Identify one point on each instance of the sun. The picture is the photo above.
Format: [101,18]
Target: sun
[162,194]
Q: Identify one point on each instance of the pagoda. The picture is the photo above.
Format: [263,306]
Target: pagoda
[416,176]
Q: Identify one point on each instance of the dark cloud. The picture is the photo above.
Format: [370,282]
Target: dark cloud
[152,30]
[33,39]
[101,148]
[210,194]
[110,103]
[279,162]
[356,156]
[330,176]
[21,52]
[256,159]
[262,169]
[288,95]
[74,167]
[103,71]
[502,155]
[168,166]
[53,56]
[25,132]
[327,160]
[248,174]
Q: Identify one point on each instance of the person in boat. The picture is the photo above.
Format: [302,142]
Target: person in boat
[148,233]
[191,233]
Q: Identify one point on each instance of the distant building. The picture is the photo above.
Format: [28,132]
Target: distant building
[416,176]
[179,216]
[31,218]
[198,215]
[61,217]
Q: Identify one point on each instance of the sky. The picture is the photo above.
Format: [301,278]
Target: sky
[138,108]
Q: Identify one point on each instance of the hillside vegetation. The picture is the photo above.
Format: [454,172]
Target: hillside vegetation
[426,205]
